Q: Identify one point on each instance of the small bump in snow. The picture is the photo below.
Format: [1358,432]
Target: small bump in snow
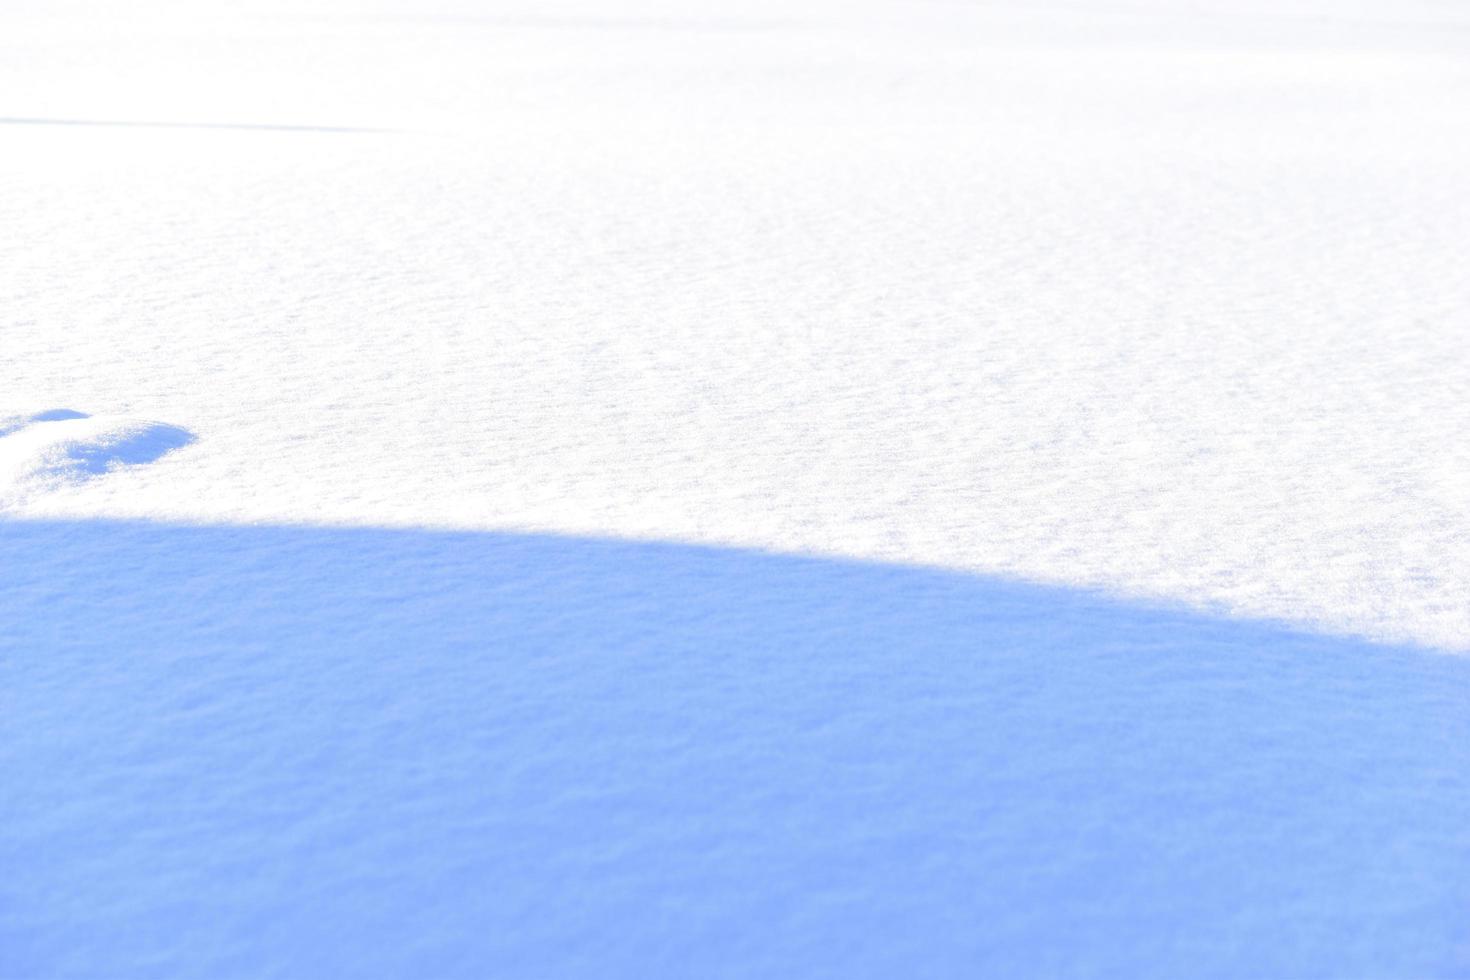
[62,446]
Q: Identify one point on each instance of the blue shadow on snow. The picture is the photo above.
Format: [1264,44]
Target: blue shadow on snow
[307,752]
[145,445]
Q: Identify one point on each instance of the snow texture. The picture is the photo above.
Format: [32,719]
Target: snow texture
[1168,300]
[661,488]
[295,751]
[61,447]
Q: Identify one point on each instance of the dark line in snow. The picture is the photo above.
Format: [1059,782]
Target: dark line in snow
[140,124]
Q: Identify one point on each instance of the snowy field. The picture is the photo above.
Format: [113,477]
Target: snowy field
[650,488]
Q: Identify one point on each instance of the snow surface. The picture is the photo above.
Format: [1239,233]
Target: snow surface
[665,488]
[52,450]
[247,751]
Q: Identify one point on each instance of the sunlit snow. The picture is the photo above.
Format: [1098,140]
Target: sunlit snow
[658,488]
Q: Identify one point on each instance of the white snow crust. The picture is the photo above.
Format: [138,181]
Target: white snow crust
[1168,299]
[620,454]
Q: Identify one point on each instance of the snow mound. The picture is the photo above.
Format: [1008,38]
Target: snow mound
[62,446]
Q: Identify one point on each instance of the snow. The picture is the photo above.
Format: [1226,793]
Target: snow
[799,489]
[52,449]
[246,751]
